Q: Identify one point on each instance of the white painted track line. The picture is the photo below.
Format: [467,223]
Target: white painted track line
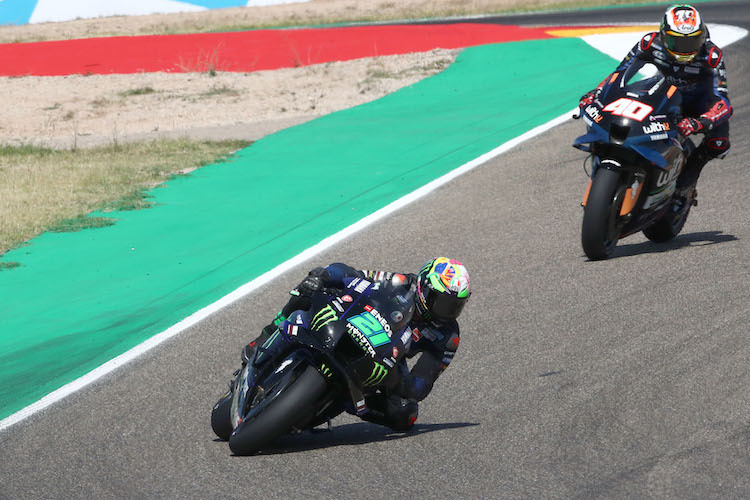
[268,276]
[723,35]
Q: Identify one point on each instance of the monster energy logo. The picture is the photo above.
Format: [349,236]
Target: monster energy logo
[326,371]
[377,376]
[324,316]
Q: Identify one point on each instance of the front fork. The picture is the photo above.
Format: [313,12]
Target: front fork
[635,181]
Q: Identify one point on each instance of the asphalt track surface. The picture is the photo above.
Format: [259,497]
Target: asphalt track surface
[623,378]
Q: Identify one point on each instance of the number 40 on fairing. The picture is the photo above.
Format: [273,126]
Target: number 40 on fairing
[629,109]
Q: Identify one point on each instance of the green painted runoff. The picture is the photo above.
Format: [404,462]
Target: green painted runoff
[80,299]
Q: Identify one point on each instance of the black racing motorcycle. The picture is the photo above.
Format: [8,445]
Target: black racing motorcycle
[317,364]
[637,155]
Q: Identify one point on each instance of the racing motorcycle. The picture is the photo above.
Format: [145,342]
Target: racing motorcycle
[637,155]
[317,364]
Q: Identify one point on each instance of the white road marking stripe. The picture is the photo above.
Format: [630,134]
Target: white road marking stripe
[268,276]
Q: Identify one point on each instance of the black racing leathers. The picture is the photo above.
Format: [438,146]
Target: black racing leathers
[396,406]
[702,83]
[437,343]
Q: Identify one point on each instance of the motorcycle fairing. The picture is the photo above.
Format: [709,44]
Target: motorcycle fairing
[654,153]
[652,138]
[324,325]
[247,389]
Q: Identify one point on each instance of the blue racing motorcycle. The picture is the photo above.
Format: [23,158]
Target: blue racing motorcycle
[317,364]
[637,154]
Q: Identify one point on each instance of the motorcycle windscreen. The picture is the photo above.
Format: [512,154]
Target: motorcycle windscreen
[241,388]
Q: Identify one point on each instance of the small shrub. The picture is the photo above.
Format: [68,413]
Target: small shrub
[82,222]
[137,91]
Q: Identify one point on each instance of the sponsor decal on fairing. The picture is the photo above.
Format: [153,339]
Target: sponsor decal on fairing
[656,127]
[362,286]
[360,338]
[406,336]
[383,322]
[594,113]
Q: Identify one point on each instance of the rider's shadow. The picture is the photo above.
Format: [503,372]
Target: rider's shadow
[700,239]
[351,434]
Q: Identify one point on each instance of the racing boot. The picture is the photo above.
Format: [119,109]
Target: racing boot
[684,198]
[391,411]
[685,193]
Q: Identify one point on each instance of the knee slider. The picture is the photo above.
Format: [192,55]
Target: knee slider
[717,147]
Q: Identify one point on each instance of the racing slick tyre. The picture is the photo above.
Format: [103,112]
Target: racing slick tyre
[295,405]
[221,420]
[601,226]
[667,227]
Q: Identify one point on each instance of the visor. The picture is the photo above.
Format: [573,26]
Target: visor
[445,307]
[684,45]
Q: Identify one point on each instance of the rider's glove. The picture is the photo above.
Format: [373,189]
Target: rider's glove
[587,99]
[690,125]
[312,283]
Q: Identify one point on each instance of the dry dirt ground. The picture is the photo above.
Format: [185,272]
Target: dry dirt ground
[79,111]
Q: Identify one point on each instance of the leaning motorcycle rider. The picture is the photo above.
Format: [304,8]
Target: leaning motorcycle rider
[682,51]
[441,288]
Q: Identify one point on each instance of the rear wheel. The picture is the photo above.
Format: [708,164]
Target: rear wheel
[602,223]
[294,406]
[668,226]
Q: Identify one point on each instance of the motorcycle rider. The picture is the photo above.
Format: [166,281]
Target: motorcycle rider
[441,288]
[685,55]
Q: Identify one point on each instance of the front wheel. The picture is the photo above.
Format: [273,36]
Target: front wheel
[602,225]
[667,226]
[221,420]
[295,405]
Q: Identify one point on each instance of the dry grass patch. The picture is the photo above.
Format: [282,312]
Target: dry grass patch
[220,90]
[137,91]
[44,189]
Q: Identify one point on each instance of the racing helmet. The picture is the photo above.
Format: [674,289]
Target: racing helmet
[442,289]
[683,32]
